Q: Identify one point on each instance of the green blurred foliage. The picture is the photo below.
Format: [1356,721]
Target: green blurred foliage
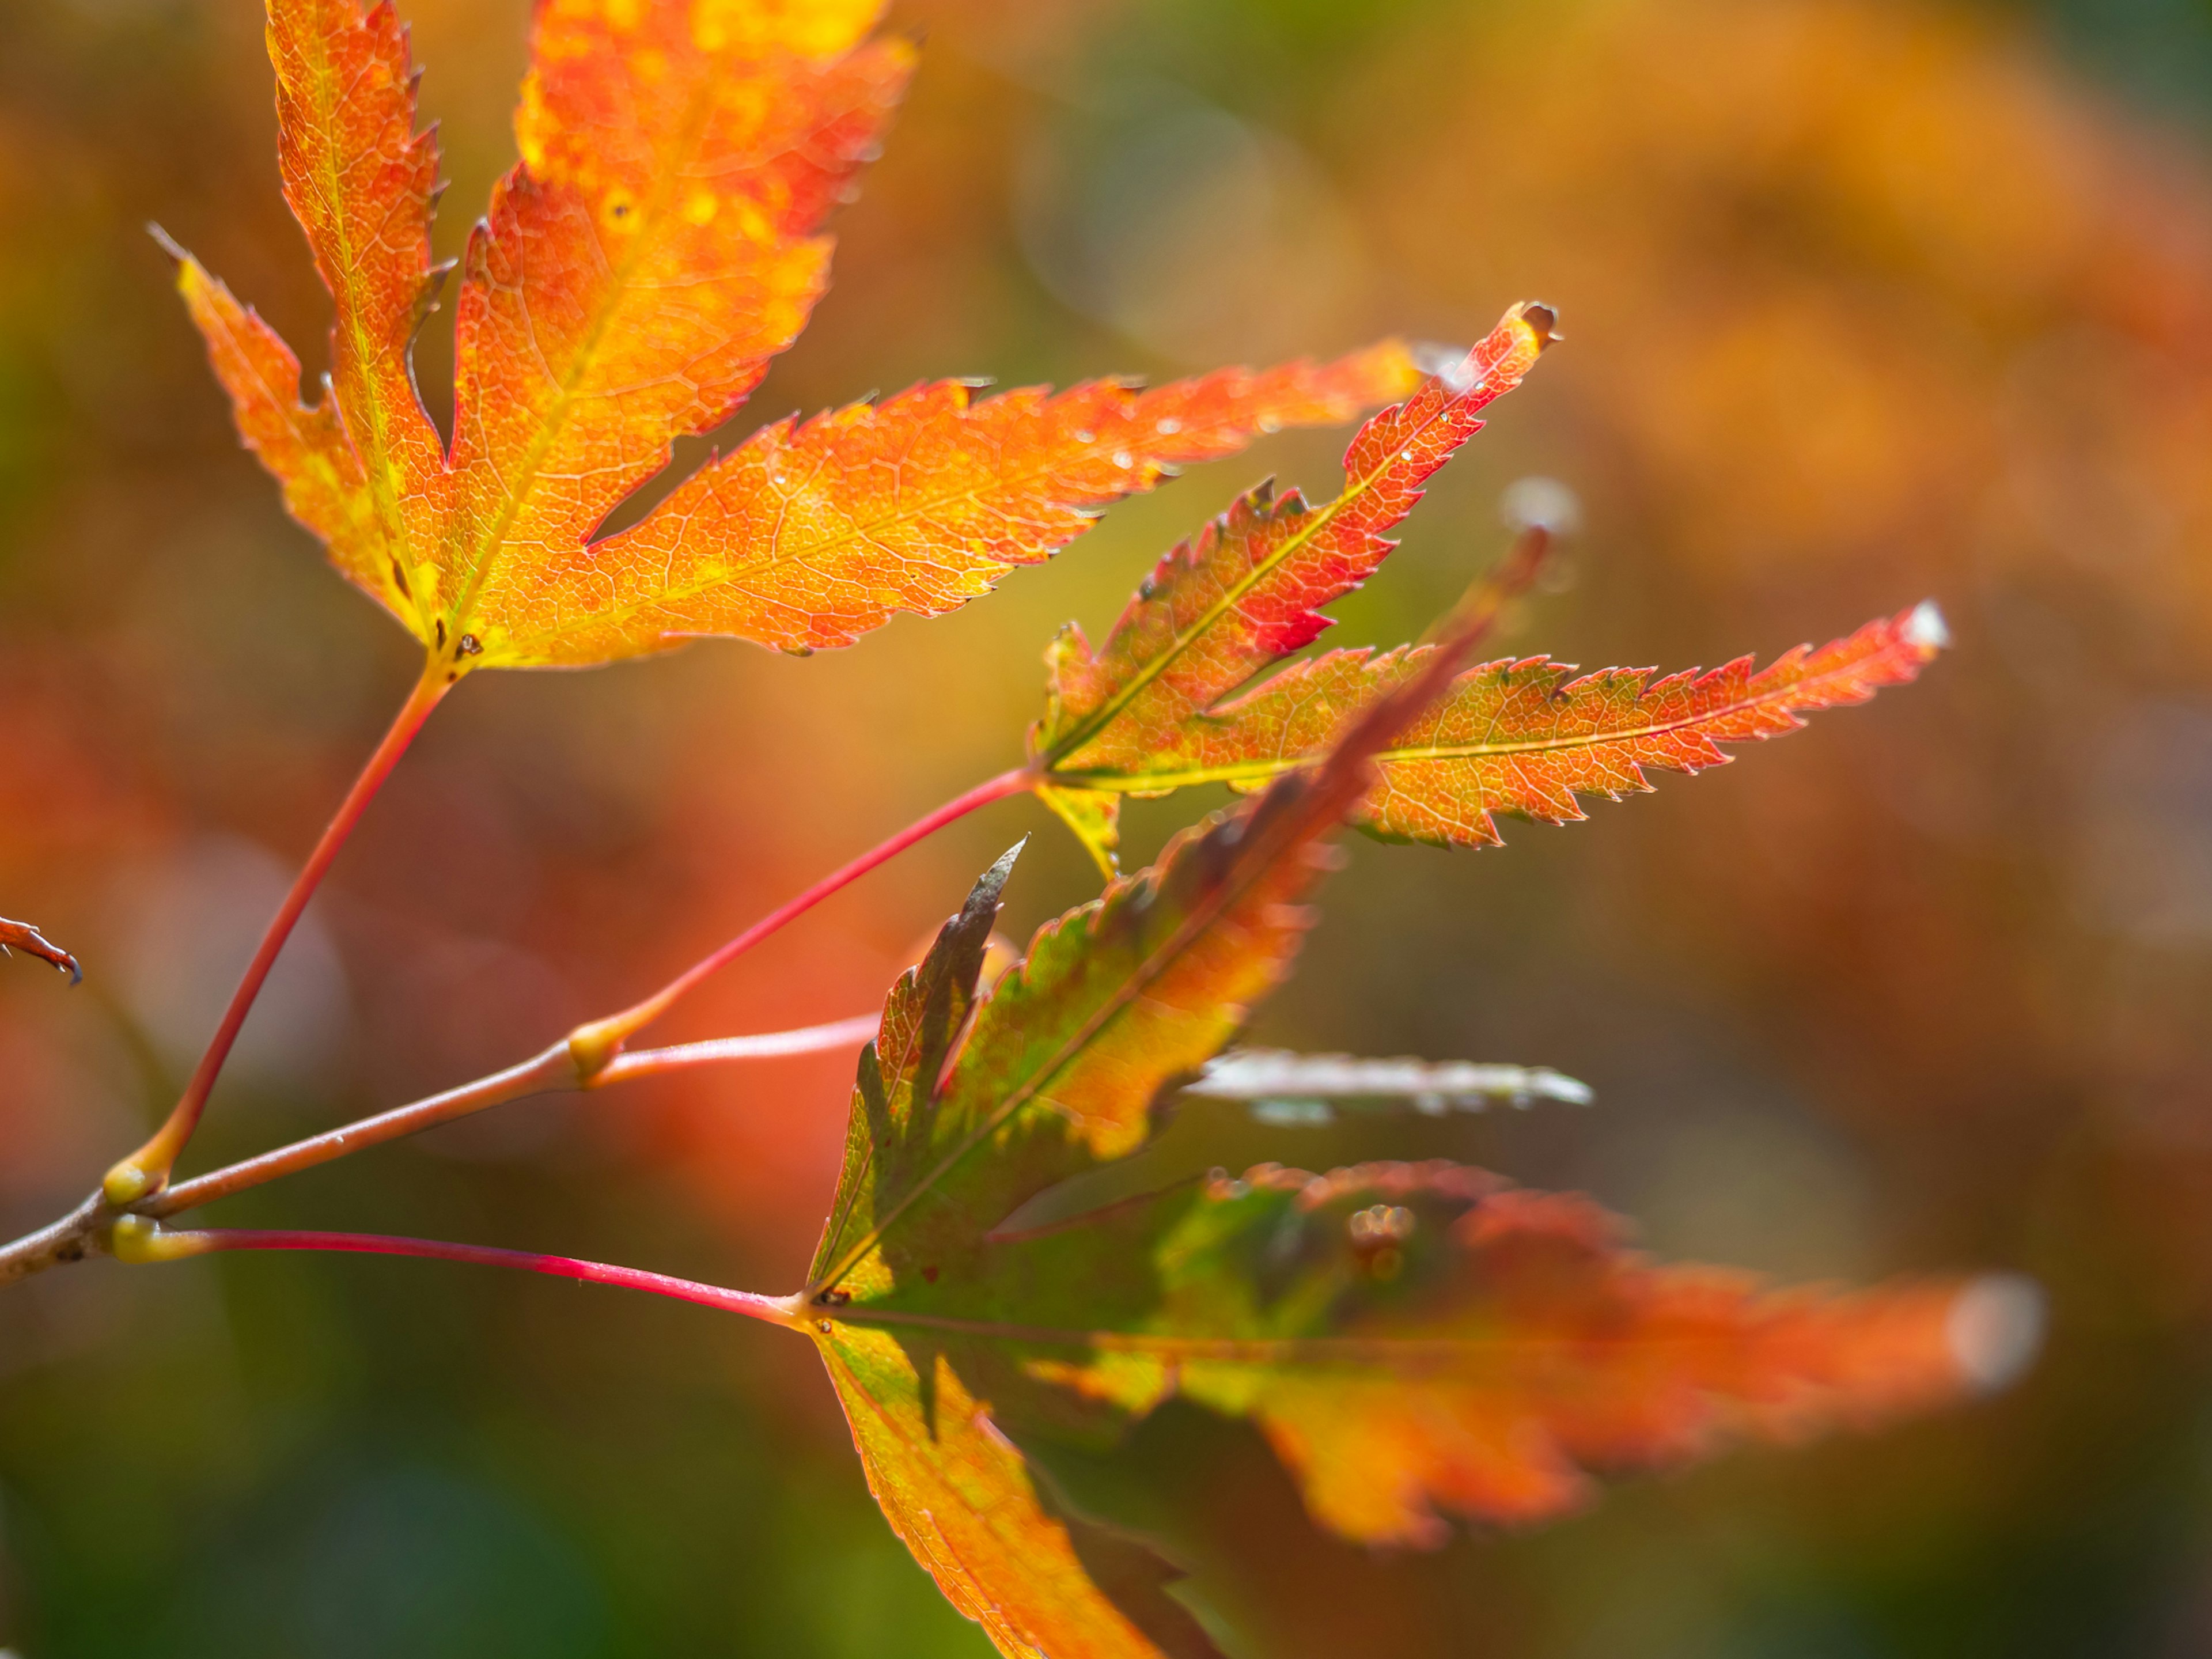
[1864,300]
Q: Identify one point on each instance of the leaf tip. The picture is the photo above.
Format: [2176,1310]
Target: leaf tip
[1996,1327]
[1925,626]
[1543,321]
[1003,866]
[168,244]
[1526,330]
[981,908]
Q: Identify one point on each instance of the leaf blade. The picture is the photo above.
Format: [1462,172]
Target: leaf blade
[656,245]
[652,251]
[303,446]
[1524,738]
[1529,1350]
[809,534]
[362,183]
[1417,1341]
[967,1504]
[1426,1341]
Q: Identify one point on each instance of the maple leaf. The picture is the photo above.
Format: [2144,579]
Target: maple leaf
[1415,1340]
[655,247]
[1422,1338]
[21,936]
[1523,738]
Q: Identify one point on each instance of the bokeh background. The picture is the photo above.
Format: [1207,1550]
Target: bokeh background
[1866,300]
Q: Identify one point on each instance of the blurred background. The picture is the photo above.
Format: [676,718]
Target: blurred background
[1866,300]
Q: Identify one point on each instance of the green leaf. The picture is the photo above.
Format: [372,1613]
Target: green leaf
[1416,1340]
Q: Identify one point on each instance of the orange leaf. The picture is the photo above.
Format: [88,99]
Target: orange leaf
[361,182]
[1523,738]
[1434,1340]
[810,535]
[303,447]
[656,246]
[652,251]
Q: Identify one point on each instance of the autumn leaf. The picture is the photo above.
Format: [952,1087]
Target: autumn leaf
[1523,738]
[1415,1340]
[977,1514]
[809,534]
[1418,1340]
[21,936]
[656,246]
[974,1511]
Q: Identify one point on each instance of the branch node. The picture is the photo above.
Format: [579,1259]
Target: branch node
[128,1181]
[593,1045]
[134,1239]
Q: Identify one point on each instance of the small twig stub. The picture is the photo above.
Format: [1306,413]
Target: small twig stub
[22,936]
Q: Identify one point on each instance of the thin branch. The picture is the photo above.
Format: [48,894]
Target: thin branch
[146,1170]
[550,1070]
[807,1039]
[554,1071]
[595,1045]
[85,1230]
[147,1242]
[72,1238]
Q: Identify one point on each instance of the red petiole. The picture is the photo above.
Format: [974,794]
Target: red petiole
[147,1169]
[136,1191]
[596,1044]
[137,1240]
